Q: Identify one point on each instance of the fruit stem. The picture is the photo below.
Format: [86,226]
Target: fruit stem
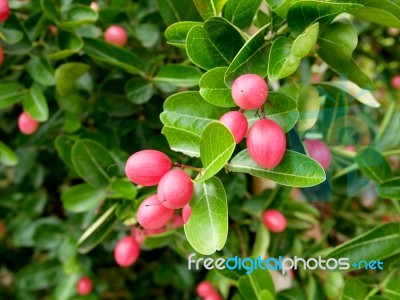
[178,165]
[262,112]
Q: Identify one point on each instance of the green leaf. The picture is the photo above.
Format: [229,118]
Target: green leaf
[24,44]
[66,287]
[304,13]
[295,169]
[173,11]
[159,240]
[201,51]
[377,244]
[176,33]
[148,34]
[216,147]
[373,164]
[262,241]
[207,228]
[392,289]
[113,55]
[251,285]
[41,70]
[79,15]
[390,189]
[281,61]
[82,197]
[178,75]
[38,276]
[390,127]
[305,42]
[308,106]
[51,10]
[98,231]
[63,146]
[361,95]
[36,105]
[123,188]
[281,108]
[7,156]
[139,90]
[66,76]
[11,93]
[354,289]
[209,8]
[91,160]
[69,42]
[241,12]
[252,58]
[214,90]
[339,39]
[72,123]
[224,36]
[281,7]
[11,36]
[181,140]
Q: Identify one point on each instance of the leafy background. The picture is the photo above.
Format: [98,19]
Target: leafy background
[64,198]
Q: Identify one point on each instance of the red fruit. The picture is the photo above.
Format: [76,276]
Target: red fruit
[1,55]
[205,288]
[213,296]
[266,143]
[84,286]
[26,124]
[175,189]
[4,10]
[396,82]
[319,151]
[152,215]
[150,232]
[237,124]
[274,220]
[126,251]
[249,91]
[116,35]
[186,213]
[147,167]
[138,234]
[177,221]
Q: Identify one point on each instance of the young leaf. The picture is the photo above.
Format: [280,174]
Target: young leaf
[281,61]
[295,169]
[66,75]
[241,12]
[373,164]
[178,75]
[308,105]
[209,8]
[7,156]
[305,42]
[216,147]
[207,228]
[390,189]
[36,105]
[176,33]
[82,197]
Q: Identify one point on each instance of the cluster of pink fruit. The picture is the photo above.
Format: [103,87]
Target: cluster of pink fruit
[207,291]
[266,141]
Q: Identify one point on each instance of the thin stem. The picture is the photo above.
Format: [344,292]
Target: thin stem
[346,170]
[391,152]
[182,166]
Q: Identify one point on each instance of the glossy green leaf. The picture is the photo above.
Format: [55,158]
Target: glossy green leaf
[295,169]
[91,161]
[123,188]
[178,75]
[241,12]
[354,289]
[22,45]
[66,76]
[390,189]
[69,42]
[252,58]
[251,285]
[173,11]
[304,13]
[7,156]
[281,108]
[41,70]
[36,105]
[201,51]
[376,244]
[82,197]
[181,140]
[207,228]
[224,36]
[11,93]
[209,8]
[305,42]
[373,164]
[79,15]
[281,7]
[139,90]
[176,33]
[113,55]
[339,39]
[216,147]
[214,90]
[308,106]
[72,123]
[98,231]
[281,61]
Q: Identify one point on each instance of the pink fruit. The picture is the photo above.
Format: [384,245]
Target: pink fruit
[152,215]
[237,124]
[1,55]
[126,251]
[319,151]
[84,286]
[138,234]
[249,91]
[175,189]
[177,221]
[26,124]
[205,288]
[116,35]
[147,167]
[396,82]
[4,10]
[94,6]
[351,148]
[274,220]
[266,143]
[150,232]
[213,296]
[186,213]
